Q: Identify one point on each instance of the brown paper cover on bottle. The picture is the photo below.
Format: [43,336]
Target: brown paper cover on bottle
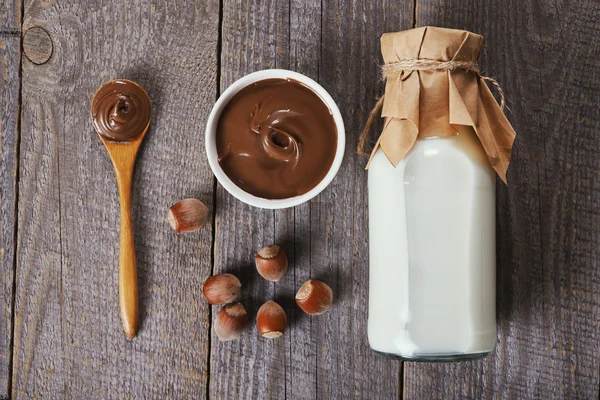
[440,103]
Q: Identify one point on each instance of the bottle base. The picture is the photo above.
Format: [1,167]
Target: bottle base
[436,357]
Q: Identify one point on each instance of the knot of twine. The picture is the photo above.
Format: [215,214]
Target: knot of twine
[398,67]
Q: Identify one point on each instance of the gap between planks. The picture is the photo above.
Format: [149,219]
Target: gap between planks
[11,350]
[214,205]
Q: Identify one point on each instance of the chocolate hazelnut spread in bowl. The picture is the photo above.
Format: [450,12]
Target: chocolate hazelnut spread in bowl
[275,139]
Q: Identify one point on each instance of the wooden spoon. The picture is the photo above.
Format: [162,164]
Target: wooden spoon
[121,115]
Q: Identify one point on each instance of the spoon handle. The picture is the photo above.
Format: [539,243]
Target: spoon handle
[128,286]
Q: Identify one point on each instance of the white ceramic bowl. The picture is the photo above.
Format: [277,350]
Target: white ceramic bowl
[211,146]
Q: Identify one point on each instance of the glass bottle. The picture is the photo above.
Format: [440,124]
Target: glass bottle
[432,288]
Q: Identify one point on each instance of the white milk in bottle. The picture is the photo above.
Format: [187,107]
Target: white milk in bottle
[432,288]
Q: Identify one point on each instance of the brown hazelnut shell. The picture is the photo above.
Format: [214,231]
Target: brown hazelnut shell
[221,289]
[271,263]
[314,297]
[230,321]
[187,215]
[271,320]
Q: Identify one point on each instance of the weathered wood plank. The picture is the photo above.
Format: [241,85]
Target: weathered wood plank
[326,356]
[10,76]
[10,16]
[302,379]
[69,342]
[10,51]
[255,36]
[546,56]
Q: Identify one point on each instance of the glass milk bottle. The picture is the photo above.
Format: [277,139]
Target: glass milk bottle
[432,211]
[432,288]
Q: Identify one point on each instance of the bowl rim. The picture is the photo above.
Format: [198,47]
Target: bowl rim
[211,147]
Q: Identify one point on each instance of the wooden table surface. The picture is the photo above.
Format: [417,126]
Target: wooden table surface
[60,332]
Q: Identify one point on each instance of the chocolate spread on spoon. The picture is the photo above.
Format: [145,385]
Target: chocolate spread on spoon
[121,110]
[276,139]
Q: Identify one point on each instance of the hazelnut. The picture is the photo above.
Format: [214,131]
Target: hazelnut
[271,320]
[314,297]
[230,321]
[271,263]
[188,215]
[221,289]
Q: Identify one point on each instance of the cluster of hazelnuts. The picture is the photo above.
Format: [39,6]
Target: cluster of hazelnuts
[314,298]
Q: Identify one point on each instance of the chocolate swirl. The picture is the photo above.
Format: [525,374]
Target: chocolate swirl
[121,110]
[282,146]
[276,140]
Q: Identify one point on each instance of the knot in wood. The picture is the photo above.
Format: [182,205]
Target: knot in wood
[37,45]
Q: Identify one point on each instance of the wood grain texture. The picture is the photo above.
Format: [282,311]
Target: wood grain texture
[325,356]
[255,36]
[9,111]
[10,79]
[10,16]
[546,55]
[68,338]
[37,45]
